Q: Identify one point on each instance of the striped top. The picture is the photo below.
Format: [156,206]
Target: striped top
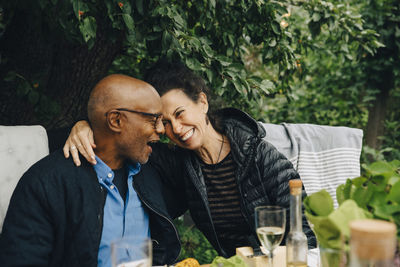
[224,202]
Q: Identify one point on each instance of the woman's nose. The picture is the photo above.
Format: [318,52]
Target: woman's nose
[176,127]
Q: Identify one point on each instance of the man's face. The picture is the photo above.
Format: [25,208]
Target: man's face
[140,130]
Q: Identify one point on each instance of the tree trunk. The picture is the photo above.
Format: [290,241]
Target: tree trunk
[63,72]
[75,71]
[377,112]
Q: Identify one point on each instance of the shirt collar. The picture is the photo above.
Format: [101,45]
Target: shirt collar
[133,168]
[106,174]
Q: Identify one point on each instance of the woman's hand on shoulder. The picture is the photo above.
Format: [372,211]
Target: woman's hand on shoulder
[80,140]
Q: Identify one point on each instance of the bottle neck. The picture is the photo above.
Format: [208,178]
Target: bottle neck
[295,213]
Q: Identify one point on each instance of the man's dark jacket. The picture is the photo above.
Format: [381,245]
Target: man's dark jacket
[56,212]
[262,175]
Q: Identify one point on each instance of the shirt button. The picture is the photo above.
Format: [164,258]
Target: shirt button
[112,187]
[109,175]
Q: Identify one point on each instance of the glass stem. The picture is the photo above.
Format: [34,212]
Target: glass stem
[270,259]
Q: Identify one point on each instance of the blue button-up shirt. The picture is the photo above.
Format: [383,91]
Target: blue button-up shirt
[120,218]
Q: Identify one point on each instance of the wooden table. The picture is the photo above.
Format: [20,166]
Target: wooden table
[279,257]
[259,261]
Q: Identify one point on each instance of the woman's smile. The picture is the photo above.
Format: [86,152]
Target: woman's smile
[187,135]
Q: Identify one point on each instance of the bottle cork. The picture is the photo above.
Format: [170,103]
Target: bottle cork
[372,239]
[295,186]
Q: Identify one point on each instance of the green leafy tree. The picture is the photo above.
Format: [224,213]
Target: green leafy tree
[382,70]
[53,52]
[342,82]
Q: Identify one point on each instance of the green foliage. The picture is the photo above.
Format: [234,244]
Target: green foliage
[376,194]
[320,203]
[234,261]
[194,244]
[391,140]
[247,51]
[332,228]
[32,91]
[373,195]
[378,191]
[339,78]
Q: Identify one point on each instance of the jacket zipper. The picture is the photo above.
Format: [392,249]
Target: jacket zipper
[166,218]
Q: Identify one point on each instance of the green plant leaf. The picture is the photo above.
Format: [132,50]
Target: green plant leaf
[319,203]
[193,63]
[224,61]
[88,28]
[79,6]
[343,191]
[393,179]
[267,86]
[394,194]
[380,168]
[362,195]
[378,199]
[386,211]
[359,181]
[128,21]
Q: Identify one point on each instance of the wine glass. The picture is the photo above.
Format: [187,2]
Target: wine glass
[270,227]
[131,252]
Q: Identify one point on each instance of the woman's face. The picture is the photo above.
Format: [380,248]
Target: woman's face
[185,120]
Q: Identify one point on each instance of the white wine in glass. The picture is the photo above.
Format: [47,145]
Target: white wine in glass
[270,237]
[270,227]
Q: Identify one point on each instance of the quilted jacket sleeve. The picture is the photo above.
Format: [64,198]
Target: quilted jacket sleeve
[167,162]
[276,171]
[27,237]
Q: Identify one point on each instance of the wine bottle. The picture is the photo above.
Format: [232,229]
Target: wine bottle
[296,241]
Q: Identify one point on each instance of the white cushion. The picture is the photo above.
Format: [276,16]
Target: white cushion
[20,148]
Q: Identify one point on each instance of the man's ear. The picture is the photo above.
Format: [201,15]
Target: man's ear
[203,101]
[114,121]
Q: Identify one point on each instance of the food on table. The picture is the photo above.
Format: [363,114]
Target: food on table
[189,262]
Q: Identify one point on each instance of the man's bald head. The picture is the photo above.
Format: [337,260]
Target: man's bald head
[115,91]
[124,113]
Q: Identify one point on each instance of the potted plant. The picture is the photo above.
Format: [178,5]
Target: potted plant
[375,194]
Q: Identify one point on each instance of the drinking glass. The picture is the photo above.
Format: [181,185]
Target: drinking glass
[270,227]
[131,252]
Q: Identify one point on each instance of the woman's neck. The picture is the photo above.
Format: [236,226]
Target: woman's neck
[215,146]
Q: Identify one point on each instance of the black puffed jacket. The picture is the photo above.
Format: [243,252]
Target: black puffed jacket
[262,174]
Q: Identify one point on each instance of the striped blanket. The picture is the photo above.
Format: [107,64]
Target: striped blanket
[324,156]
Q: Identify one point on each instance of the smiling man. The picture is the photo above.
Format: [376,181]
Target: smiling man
[61,215]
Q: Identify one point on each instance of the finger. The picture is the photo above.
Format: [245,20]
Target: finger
[85,147]
[81,150]
[91,138]
[66,150]
[89,153]
[75,155]
[91,147]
